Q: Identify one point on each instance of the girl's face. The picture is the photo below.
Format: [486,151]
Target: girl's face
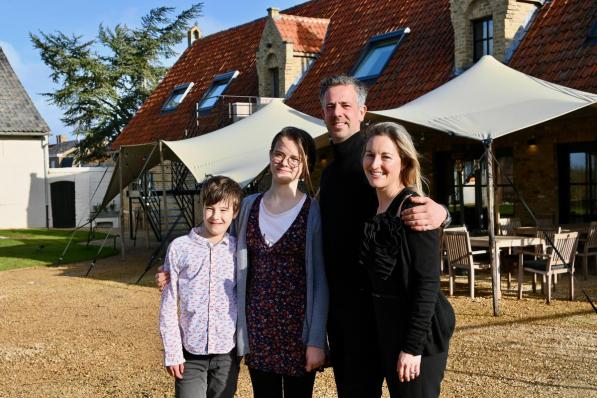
[286,165]
[381,163]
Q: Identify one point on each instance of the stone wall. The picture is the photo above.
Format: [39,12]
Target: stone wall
[509,17]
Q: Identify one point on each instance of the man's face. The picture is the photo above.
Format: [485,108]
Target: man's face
[341,112]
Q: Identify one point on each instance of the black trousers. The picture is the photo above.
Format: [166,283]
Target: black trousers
[353,347]
[427,385]
[272,385]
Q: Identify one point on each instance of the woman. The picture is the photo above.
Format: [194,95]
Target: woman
[281,284]
[414,321]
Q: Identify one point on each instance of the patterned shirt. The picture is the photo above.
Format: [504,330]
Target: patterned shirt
[198,308]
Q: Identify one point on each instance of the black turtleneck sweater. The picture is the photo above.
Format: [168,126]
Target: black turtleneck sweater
[346,201]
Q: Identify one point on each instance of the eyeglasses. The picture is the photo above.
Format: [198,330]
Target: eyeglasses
[278,158]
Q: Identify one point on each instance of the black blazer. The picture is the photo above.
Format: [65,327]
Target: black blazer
[404,270]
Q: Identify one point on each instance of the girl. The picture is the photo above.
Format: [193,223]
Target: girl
[414,321]
[281,283]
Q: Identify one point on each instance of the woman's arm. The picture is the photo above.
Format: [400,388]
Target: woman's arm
[423,287]
[317,332]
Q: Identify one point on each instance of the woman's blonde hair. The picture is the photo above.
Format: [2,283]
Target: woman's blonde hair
[410,175]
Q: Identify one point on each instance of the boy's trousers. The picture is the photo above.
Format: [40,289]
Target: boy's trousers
[208,376]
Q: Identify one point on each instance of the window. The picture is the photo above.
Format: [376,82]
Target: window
[482,38]
[216,89]
[377,53]
[178,94]
[578,183]
[504,193]
[275,82]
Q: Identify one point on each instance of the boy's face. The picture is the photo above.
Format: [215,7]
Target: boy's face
[217,218]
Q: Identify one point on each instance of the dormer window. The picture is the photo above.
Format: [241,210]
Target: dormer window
[216,89]
[180,91]
[377,53]
[482,38]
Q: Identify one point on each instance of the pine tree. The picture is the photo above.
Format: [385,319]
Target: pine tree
[103,82]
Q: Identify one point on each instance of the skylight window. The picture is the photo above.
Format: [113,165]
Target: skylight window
[216,89]
[178,94]
[377,53]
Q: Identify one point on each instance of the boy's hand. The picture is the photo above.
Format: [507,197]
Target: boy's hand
[176,370]
[162,278]
[315,358]
[426,216]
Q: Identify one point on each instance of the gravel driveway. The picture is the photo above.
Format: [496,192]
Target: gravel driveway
[63,335]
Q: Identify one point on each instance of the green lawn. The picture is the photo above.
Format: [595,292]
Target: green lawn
[39,247]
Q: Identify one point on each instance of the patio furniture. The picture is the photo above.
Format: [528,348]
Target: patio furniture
[505,242]
[506,226]
[460,255]
[589,248]
[559,261]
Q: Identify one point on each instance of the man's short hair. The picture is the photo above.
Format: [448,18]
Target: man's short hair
[218,188]
[343,80]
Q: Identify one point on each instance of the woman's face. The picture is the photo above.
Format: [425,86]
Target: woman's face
[381,163]
[285,161]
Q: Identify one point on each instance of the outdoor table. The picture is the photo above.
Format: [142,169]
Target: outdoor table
[504,242]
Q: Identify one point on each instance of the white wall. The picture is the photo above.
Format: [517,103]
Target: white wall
[86,181]
[22,182]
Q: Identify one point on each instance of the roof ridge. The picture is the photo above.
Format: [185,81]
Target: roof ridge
[302,18]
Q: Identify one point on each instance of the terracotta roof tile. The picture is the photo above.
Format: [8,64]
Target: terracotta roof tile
[306,34]
[556,48]
[423,61]
[229,50]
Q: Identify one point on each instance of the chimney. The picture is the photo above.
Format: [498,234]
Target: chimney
[61,138]
[194,34]
[273,12]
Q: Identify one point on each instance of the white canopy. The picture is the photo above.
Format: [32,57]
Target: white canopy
[239,151]
[490,100]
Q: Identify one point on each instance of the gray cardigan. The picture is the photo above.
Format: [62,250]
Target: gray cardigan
[316,311]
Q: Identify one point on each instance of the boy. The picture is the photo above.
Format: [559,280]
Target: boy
[198,309]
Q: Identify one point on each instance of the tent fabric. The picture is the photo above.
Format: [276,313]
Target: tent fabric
[133,158]
[239,151]
[488,101]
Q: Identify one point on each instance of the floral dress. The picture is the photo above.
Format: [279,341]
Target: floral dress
[276,297]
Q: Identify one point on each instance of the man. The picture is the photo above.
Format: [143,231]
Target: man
[346,201]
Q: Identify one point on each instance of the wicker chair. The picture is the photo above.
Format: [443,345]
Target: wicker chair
[460,255]
[506,226]
[559,261]
[589,248]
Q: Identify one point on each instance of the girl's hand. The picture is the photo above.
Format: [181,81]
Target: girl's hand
[409,366]
[315,357]
[176,370]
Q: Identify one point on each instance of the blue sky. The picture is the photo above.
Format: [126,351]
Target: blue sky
[82,17]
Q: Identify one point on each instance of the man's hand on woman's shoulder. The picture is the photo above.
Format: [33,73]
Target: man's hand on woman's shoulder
[425,215]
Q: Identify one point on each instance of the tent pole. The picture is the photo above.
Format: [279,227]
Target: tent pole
[493,256]
[163,191]
[120,165]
